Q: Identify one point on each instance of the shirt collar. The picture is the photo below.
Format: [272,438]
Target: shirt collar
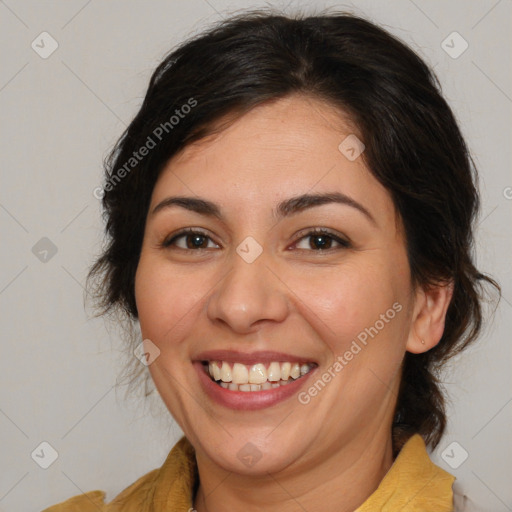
[413,481]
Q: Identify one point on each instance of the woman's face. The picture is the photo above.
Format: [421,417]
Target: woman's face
[252,291]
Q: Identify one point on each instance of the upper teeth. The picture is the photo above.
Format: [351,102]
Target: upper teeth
[256,373]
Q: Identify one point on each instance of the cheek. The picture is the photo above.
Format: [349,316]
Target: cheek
[360,312]
[348,299]
[164,299]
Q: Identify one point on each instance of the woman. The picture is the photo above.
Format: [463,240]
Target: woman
[290,220]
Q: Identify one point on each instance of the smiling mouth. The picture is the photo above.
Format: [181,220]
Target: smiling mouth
[255,377]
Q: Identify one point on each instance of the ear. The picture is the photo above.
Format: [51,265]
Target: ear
[430,307]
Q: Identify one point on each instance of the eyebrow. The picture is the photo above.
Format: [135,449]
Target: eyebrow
[285,208]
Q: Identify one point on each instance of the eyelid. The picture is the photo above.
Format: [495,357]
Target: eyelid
[309,232]
[169,240]
[342,240]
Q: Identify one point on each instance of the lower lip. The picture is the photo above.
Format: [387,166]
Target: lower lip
[248,400]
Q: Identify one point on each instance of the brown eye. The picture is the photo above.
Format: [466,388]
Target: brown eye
[321,240]
[190,240]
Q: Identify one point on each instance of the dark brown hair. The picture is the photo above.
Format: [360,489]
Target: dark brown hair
[413,147]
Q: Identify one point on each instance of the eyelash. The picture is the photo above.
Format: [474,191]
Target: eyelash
[344,244]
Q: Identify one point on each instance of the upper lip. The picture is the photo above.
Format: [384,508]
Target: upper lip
[265,356]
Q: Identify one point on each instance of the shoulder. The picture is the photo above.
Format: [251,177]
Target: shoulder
[174,479]
[413,481]
[131,498]
[89,502]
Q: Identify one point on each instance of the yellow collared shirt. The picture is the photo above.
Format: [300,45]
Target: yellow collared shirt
[412,484]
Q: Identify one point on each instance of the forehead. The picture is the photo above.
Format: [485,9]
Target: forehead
[285,148]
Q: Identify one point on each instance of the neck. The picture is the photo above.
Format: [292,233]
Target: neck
[339,482]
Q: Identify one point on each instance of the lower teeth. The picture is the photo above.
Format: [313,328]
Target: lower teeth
[253,387]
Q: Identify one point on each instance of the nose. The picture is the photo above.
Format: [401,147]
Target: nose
[249,294]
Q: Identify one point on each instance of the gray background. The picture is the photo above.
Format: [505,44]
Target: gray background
[60,116]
